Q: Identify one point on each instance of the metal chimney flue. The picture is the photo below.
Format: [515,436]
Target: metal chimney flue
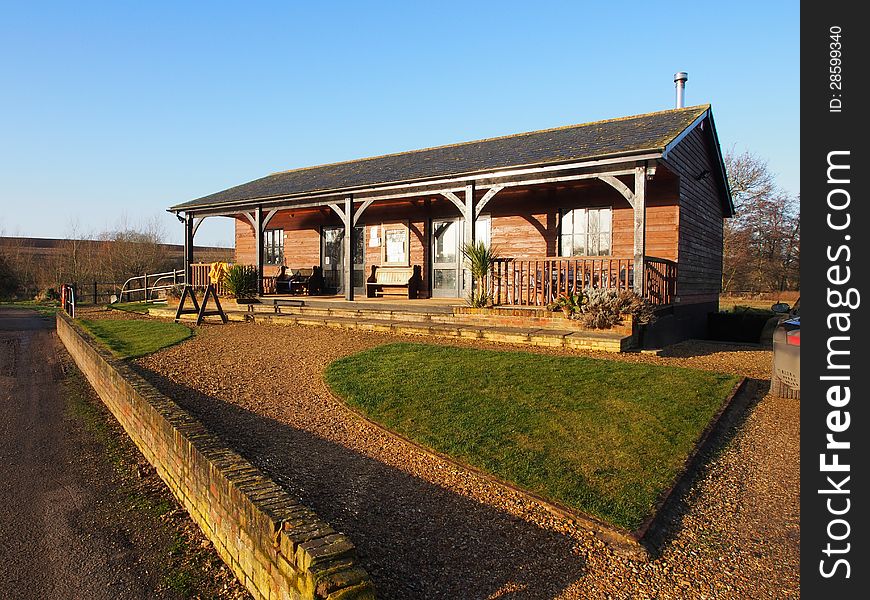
[680,80]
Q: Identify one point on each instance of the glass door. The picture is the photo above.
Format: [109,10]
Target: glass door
[332,240]
[359,261]
[446,258]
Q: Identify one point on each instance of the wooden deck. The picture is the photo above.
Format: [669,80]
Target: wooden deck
[425,305]
[539,281]
[525,282]
[419,318]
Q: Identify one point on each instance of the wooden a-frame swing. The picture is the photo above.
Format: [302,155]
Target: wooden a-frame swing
[200,310]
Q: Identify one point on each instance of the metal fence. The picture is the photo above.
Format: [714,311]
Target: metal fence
[146,287]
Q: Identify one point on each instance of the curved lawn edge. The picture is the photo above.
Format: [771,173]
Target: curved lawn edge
[692,460]
[623,537]
[135,338]
[612,534]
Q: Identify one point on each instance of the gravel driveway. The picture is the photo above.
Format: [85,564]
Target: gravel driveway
[58,537]
[427,529]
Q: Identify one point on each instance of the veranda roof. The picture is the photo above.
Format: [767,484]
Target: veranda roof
[626,136]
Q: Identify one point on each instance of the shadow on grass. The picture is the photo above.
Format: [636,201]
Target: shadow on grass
[669,519]
[694,348]
[416,540]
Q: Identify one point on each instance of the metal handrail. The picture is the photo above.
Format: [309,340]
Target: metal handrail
[68,299]
[177,276]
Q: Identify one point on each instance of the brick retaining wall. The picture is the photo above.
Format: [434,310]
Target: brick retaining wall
[278,548]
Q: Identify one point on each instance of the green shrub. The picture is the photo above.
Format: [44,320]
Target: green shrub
[175,292]
[9,282]
[47,295]
[480,259]
[641,309]
[752,310]
[241,281]
[570,304]
[603,309]
[736,326]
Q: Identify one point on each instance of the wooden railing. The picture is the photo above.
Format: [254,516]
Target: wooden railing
[537,282]
[660,285]
[199,277]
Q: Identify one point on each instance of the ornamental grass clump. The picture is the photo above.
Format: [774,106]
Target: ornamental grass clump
[480,259]
[241,281]
[604,309]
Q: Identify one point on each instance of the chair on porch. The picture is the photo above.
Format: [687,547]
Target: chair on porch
[294,281]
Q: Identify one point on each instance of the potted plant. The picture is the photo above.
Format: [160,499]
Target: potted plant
[480,259]
[173,295]
[569,304]
[241,283]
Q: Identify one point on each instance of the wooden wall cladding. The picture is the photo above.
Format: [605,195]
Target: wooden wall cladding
[524,224]
[701,215]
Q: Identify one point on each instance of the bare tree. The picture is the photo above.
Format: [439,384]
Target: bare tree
[20,271]
[762,242]
[134,250]
[83,257]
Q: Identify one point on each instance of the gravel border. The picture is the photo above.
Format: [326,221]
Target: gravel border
[430,529]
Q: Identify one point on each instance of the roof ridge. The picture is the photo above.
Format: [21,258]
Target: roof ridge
[490,139]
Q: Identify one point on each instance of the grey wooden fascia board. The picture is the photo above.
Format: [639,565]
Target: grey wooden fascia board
[459,179]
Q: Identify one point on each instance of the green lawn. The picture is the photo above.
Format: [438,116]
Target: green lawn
[134,307]
[46,309]
[604,437]
[131,339]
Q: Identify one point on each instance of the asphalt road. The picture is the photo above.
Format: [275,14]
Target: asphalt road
[54,540]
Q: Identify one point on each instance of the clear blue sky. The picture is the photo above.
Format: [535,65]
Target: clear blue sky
[116,110]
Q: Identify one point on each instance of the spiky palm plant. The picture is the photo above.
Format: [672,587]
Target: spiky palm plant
[480,259]
[241,281]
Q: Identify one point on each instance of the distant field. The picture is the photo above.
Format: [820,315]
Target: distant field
[756,300]
[46,309]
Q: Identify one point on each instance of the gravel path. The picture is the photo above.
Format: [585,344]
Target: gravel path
[427,529]
[82,514]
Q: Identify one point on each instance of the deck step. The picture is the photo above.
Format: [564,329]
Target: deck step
[534,336]
[420,315]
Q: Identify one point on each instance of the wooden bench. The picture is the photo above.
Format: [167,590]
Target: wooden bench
[300,281]
[277,303]
[403,281]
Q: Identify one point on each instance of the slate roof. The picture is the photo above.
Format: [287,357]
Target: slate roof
[637,134]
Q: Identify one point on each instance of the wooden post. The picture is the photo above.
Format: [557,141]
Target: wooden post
[258,240]
[639,227]
[95,293]
[469,234]
[188,248]
[347,249]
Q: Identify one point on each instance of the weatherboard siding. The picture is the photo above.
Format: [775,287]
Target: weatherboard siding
[699,277]
[524,224]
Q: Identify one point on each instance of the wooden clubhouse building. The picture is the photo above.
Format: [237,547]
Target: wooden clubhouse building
[635,202]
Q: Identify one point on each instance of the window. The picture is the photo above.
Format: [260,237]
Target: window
[396,245]
[483,230]
[273,247]
[585,232]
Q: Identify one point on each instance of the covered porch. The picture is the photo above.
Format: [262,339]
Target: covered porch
[531,218]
